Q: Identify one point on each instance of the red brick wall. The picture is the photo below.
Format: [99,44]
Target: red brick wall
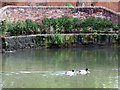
[37,13]
[60,3]
[111,5]
[0,4]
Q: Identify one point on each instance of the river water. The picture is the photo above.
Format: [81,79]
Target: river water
[45,68]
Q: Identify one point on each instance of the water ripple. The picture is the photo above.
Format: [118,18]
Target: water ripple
[43,73]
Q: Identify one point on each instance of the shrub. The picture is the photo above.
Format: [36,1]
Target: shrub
[86,29]
[116,27]
[58,24]
[16,28]
[46,23]
[68,23]
[31,26]
[77,23]
[20,27]
[53,22]
[10,27]
[97,23]
[68,4]
[63,24]
[2,27]
[57,39]
[105,23]
[88,22]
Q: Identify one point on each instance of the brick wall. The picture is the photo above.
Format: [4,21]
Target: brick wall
[0,4]
[111,5]
[37,13]
[44,41]
[60,3]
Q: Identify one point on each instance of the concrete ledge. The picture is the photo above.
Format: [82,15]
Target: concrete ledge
[68,40]
[51,34]
[60,7]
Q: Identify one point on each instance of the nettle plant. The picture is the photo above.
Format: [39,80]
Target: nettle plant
[20,27]
[60,25]
[2,26]
[31,27]
[57,39]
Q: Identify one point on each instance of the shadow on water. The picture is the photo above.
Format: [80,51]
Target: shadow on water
[45,68]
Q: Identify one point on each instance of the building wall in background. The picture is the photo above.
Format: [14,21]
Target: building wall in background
[111,5]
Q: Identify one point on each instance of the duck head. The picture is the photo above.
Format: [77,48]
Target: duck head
[72,70]
[86,69]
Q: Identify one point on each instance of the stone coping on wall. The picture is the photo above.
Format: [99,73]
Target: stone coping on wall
[60,7]
[53,34]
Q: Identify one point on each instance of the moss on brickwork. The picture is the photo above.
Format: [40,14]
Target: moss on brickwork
[77,38]
[60,40]
[40,40]
[68,38]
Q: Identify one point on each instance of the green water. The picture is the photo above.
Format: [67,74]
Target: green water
[45,68]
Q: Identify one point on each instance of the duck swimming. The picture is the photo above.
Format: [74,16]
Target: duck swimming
[84,72]
[70,73]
